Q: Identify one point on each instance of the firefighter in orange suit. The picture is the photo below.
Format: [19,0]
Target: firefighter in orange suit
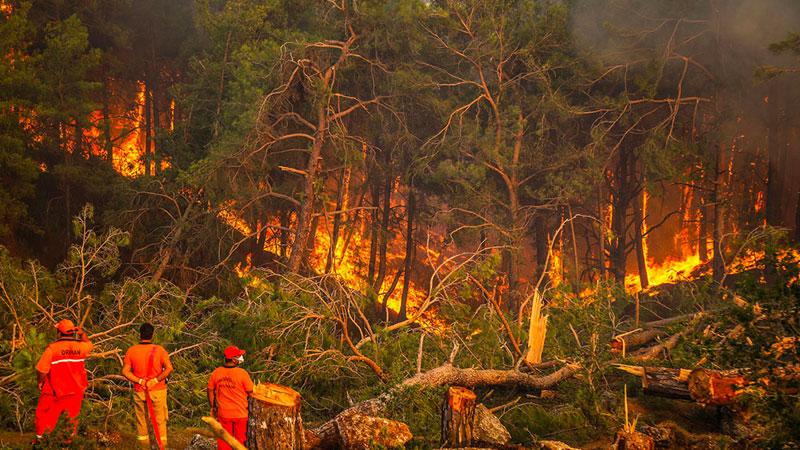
[228,389]
[147,365]
[62,378]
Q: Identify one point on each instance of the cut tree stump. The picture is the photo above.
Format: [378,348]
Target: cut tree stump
[710,387]
[661,381]
[274,421]
[633,440]
[360,432]
[458,417]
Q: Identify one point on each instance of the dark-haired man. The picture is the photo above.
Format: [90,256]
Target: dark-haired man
[62,378]
[147,365]
[228,389]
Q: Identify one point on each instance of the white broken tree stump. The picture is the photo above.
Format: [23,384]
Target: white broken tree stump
[360,432]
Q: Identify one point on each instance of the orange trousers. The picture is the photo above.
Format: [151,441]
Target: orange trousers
[236,427]
[50,408]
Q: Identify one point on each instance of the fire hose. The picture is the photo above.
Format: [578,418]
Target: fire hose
[149,402]
[152,414]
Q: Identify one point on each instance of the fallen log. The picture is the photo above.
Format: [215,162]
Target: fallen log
[710,387]
[661,381]
[274,420]
[447,374]
[704,386]
[458,417]
[654,351]
[631,341]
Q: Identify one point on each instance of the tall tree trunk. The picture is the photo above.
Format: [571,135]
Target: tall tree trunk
[221,87]
[639,221]
[718,267]
[108,143]
[374,231]
[410,247]
[603,233]
[776,157]
[156,127]
[148,126]
[540,235]
[702,233]
[284,219]
[337,217]
[621,198]
[797,219]
[384,232]
[307,204]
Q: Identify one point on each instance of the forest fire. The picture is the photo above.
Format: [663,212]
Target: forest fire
[349,262]
[528,209]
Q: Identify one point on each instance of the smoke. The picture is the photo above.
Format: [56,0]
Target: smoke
[757,120]
[619,31]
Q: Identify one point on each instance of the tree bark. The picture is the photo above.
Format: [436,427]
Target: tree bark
[148,126]
[718,267]
[410,247]
[797,219]
[108,143]
[661,381]
[458,416]
[621,200]
[639,223]
[374,230]
[702,238]
[274,421]
[284,218]
[384,230]
[540,236]
[307,205]
[337,219]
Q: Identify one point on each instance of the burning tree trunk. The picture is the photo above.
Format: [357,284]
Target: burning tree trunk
[458,416]
[274,421]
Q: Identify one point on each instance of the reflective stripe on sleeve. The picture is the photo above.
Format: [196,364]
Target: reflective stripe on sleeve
[67,361]
[143,438]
